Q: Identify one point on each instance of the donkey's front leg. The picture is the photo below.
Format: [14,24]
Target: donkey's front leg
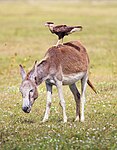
[62,101]
[48,103]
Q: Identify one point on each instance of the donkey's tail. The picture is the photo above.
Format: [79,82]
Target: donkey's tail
[91,85]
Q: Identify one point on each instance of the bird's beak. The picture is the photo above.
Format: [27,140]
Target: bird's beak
[46,24]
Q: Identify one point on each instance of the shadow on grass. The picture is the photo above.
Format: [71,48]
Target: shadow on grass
[26,121]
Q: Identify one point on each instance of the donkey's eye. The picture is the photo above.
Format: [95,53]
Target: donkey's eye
[36,80]
[31,91]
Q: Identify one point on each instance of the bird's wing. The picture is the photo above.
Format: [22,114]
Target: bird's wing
[62,28]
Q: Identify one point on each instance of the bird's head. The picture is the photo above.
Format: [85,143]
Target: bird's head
[49,24]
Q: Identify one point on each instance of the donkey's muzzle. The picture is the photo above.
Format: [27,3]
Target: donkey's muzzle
[26,109]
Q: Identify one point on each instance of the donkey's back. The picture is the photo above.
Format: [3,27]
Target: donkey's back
[72,57]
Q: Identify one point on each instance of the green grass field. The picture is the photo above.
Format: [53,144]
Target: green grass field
[24,39]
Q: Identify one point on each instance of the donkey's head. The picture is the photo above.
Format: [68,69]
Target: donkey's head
[28,88]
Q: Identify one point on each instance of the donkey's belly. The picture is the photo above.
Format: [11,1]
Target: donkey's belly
[72,78]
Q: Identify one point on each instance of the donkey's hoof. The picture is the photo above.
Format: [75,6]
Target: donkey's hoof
[77,119]
[44,120]
[82,119]
[65,120]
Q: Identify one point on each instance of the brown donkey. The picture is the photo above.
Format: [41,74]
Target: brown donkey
[62,65]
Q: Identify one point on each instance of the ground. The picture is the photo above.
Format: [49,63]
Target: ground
[24,39]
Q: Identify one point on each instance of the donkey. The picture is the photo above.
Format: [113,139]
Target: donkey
[62,65]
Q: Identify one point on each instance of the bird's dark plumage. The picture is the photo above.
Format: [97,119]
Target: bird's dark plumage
[62,30]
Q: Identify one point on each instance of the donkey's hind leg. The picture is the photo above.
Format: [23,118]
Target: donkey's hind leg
[76,94]
[83,100]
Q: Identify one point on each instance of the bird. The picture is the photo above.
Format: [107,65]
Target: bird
[62,30]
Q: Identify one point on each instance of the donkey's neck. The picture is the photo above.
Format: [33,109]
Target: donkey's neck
[42,71]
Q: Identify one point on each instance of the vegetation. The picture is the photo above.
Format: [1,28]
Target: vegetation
[24,39]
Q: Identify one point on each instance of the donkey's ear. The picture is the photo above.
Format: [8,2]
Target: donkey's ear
[34,70]
[35,65]
[22,72]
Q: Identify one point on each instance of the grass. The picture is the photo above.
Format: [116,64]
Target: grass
[24,39]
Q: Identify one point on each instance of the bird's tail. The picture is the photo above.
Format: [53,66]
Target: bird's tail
[91,85]
[76,28]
